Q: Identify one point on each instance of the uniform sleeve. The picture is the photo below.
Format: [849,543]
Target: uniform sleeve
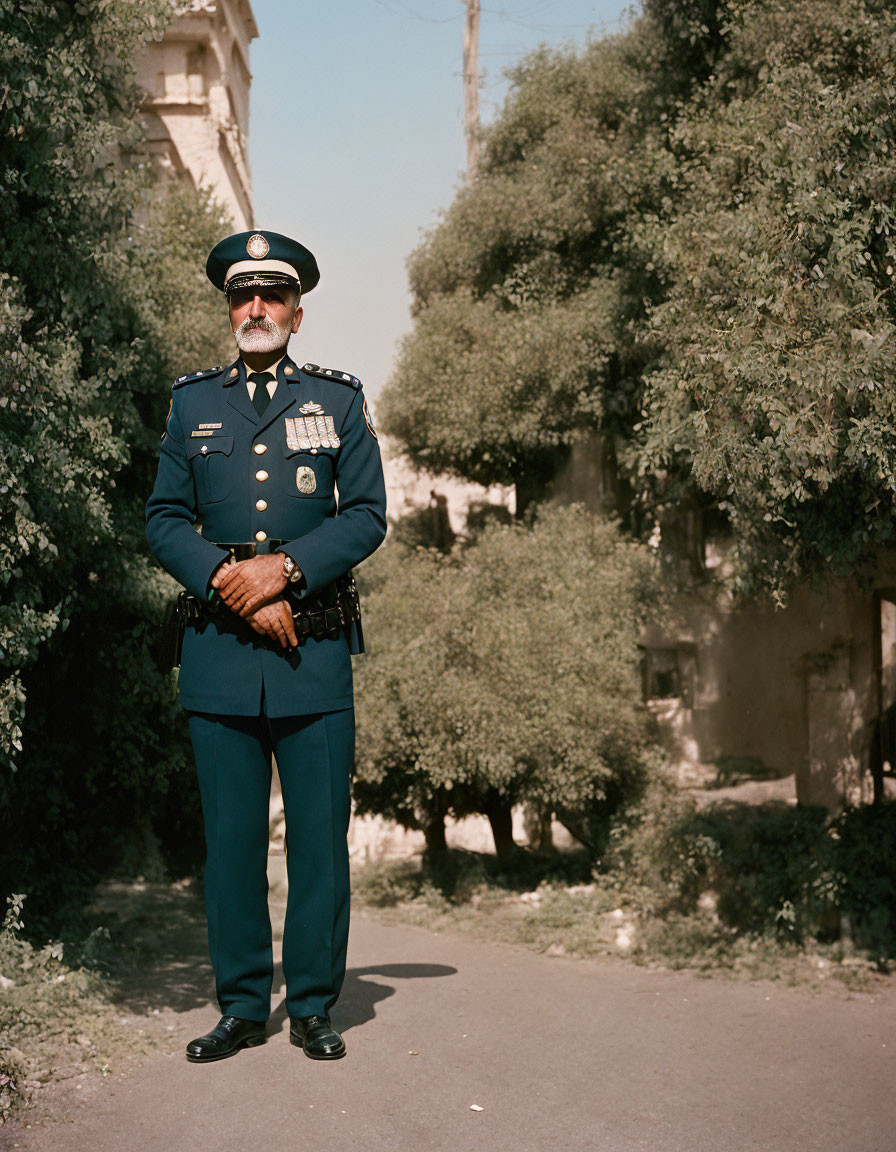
[171,512]
[359,526]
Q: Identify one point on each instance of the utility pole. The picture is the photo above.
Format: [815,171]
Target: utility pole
[471,86]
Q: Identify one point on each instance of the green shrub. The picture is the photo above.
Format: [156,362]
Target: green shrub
[45,1005]
[791,873]
[478,686]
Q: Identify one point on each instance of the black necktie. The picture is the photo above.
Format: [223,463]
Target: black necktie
[261,399]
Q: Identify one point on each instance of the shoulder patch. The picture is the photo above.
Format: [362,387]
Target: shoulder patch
[191,376]
[332,374]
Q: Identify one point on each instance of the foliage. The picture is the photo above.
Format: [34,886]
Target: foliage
[519,299]
[776,390]
[101,300]
[498,669]
[38,986]
[792,873]
[680,236]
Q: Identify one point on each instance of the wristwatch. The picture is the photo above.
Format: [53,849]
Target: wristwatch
[291,570]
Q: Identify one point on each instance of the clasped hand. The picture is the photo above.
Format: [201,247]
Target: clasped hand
[252,589]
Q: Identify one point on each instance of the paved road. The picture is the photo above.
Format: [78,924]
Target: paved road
[558,1054]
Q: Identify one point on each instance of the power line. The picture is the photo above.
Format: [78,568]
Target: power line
[404,10]
[523,17]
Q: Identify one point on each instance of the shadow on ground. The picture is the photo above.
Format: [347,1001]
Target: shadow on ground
[157,956]
[360,994]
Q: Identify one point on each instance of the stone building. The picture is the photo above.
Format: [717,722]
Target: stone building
[808,690]
[196,108]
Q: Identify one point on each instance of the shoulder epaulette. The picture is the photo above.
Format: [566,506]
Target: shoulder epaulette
[332,374]
[191,376]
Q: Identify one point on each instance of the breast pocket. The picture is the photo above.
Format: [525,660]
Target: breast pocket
[308,475]
[212,467]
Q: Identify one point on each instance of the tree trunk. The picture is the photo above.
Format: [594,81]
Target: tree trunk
[432,821]
[537,822]
[498,811]
[433,824]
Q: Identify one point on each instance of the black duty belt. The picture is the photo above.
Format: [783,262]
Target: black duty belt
[327,614]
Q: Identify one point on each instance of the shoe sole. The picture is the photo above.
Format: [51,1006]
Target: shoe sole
[254,1042]
[293,1039]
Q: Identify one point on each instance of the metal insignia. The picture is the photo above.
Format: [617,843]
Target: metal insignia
[306,481]
[307,433]
[331,432]
[311,408]
[257,247]
[292,434]
[210,425]
[368,420]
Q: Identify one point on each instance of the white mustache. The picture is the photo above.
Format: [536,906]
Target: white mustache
[251,324]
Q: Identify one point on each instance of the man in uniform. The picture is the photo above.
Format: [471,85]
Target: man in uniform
[253,455]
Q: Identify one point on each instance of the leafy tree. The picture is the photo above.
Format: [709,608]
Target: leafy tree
[519,299]
[100,283]
[681,236]
[505,672]
[776,390]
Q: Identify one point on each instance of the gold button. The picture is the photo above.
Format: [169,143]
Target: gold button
[234,371]
[262,475]
[261,505]
[287,371]
[259,448]
[261,537]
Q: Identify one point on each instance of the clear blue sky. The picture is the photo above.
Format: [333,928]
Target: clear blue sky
[356,143]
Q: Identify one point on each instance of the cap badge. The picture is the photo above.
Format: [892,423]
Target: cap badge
[257,246]
[306,481]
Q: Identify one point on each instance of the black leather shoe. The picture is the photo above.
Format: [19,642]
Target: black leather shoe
[314,1034]
[228,1036]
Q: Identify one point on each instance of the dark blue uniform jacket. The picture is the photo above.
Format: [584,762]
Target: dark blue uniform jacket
[232,474]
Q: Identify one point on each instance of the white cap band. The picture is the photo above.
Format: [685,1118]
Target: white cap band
[261,266]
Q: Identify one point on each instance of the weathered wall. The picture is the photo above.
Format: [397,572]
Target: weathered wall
[196,108]
[796,688]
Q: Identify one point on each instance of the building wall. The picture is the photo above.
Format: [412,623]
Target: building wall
[798,690]
[196,108]
[793,689]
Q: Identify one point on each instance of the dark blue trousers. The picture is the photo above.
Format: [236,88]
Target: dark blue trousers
[233,760]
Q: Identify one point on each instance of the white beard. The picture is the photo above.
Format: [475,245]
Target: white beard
[261,335]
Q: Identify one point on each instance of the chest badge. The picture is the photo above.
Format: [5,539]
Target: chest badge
[306,481]
[312,408]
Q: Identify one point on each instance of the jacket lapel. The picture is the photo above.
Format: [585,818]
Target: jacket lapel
[237,393]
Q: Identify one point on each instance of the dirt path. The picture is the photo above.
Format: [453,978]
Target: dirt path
[558,1054]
